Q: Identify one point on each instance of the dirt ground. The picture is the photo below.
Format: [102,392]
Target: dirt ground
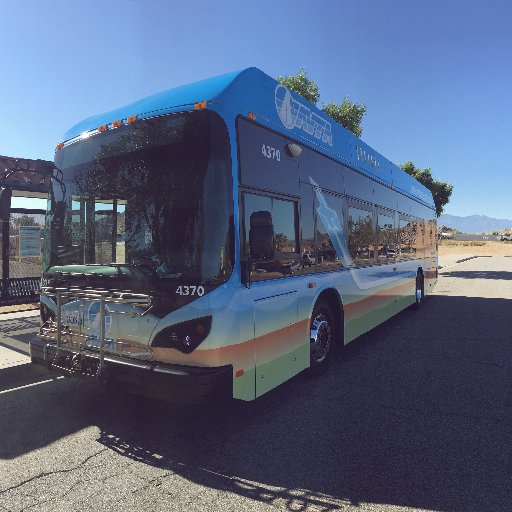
[453,247]
[18,307]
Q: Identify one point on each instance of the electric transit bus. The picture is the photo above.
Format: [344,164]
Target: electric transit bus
[221,237]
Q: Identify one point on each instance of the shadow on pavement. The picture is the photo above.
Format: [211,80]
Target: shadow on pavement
[416,413]
[23,375]
[479,274]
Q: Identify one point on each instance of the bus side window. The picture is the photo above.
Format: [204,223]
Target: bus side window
[405,235]
[386,236]
[307,228]
[281,216]
[332,214]
[360,235]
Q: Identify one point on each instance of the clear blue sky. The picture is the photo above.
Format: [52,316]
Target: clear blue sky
[436,76]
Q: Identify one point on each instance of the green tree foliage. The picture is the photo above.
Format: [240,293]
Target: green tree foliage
[349,114]
[301,84]
[281,241]
[440,190]
[22,220]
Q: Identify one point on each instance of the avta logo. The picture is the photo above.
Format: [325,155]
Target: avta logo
[295,114]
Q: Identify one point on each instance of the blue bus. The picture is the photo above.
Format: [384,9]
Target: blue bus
[219,238]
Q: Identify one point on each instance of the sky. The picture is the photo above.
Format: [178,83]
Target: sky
[436,76]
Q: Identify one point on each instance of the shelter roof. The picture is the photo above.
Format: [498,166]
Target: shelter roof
[25,174]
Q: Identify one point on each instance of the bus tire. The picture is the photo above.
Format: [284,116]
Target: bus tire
[322,337]
[419,290]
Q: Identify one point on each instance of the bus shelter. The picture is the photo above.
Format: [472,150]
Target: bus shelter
[21,227]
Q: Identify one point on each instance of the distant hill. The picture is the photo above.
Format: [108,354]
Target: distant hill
[474,223]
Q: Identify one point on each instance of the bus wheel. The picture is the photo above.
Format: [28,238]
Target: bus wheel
[420,290]
[321,338]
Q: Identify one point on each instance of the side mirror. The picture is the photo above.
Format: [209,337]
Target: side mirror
[59,211]
[261,236]
[5,203]
[57,223]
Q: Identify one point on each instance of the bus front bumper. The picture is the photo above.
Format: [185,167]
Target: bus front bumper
[153,379]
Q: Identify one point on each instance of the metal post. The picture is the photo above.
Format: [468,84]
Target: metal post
[58,319]
[5,217]
[114,231]
[102,335]
[5,259]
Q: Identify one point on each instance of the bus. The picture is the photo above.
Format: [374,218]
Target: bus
[219,238]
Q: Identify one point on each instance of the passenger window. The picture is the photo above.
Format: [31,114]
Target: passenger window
[405,234]
[360,236]
[422,240]
[271,241]
[386,237]
[416,239]
[329,232]
[307,227]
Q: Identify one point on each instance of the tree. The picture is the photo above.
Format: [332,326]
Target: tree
[440,190]
[281,241]
[22,220]
[348,114]
[301,84]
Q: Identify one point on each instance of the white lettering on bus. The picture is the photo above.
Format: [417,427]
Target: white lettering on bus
[364,155]
[294,114]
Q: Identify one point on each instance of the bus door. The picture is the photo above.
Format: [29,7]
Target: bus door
[271,249]
[275,320]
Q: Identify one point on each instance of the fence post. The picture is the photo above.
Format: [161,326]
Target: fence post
[5,259]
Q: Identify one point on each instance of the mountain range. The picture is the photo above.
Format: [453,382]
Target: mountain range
[473,223]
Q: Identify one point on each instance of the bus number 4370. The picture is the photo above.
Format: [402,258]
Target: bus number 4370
[190,290]
[271,153]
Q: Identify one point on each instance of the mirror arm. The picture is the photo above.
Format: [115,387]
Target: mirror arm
[245,268]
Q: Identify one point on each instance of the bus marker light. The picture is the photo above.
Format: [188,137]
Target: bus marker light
[115,124]
[102,128]
[200,105]
[239,373]
[60,146]
[131,119]
[251,116]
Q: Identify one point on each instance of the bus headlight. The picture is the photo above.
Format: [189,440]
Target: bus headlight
[185,336]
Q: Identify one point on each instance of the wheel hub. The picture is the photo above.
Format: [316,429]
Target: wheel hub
[320,338]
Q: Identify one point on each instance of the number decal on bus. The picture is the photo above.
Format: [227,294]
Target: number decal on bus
[271,153]
[190,290]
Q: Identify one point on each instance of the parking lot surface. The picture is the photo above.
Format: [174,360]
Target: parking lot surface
[415,415]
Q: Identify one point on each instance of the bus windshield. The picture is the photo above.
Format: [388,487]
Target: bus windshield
[155,195]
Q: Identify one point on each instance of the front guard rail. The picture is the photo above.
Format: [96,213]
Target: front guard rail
[62,296]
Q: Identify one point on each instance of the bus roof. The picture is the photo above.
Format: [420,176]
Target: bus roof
[252,91]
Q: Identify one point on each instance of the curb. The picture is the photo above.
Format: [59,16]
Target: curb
[467,259]
[439,267]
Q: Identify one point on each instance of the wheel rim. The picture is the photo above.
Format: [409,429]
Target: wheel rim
[320,338]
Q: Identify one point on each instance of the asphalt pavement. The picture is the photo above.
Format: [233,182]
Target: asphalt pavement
[415,415]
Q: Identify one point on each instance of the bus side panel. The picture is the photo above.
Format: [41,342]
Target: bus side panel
[364,312]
